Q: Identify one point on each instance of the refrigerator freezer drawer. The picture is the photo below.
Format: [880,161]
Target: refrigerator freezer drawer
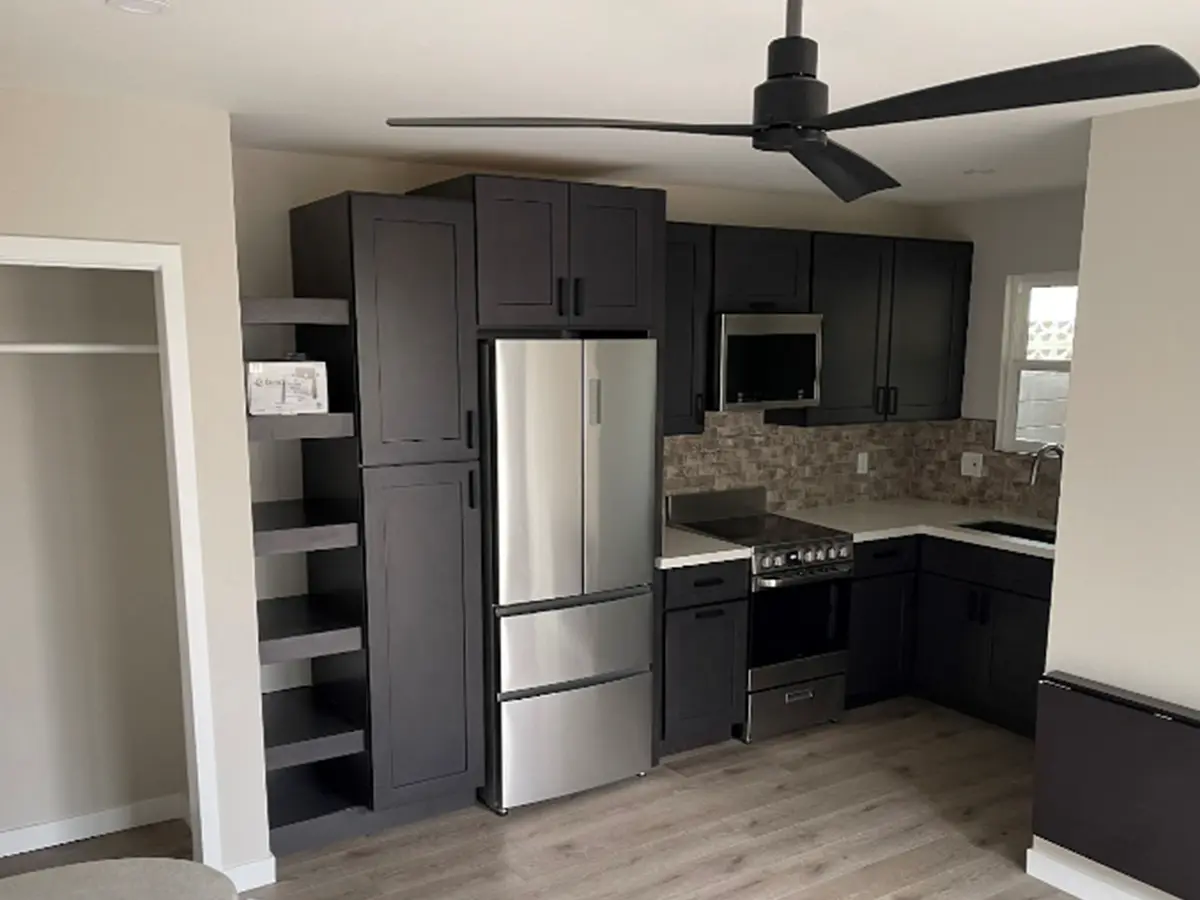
[541,649]
[562,743]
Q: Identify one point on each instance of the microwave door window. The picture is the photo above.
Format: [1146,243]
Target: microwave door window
[770,368]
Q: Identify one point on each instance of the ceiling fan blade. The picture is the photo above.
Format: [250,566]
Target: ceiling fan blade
[1114,73]
[623,124]
[842,170]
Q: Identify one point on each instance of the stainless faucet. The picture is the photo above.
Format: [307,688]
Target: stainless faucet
[1046,450]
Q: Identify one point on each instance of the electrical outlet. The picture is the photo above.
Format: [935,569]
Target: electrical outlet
[972,465]
[864,463]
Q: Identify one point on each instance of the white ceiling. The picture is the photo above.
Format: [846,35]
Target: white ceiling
[323,74]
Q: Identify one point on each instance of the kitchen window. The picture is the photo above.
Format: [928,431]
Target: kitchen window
[1039,339]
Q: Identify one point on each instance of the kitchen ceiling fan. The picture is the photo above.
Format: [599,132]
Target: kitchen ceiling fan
[791,108]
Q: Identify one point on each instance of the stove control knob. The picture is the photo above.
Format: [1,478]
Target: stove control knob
[843,552]
[765,562]
[779,561]
[809,556]
[820,554]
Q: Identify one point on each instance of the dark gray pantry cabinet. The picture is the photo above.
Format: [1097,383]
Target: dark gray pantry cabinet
[894,329]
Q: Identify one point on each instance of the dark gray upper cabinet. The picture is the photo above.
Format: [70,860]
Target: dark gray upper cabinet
[685,341]
[931,285]
[414,276]
[555,255]
[761,270]
[879,637]
[424,621]
[850,275]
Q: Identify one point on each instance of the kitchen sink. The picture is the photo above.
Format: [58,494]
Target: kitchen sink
[1011,529]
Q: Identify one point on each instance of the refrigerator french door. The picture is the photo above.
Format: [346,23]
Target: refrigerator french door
[573,444]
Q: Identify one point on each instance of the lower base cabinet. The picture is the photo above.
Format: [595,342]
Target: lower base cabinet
[879,641]
[704,675]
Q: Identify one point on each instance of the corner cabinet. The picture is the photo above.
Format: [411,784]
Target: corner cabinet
[686,328]
[425,611]
[558,255]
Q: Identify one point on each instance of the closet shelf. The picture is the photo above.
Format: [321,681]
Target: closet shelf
[307,626]
[287,428]
[298,731]
[83,349]
[300,526]
[294,311]
[305,810]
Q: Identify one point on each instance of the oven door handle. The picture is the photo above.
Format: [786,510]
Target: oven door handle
[764,582]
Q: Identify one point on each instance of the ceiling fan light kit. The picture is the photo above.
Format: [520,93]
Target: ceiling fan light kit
[791,108]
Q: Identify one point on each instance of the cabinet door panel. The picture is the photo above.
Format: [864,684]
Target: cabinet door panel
[950,645]
[414,263]
[522,236]
[424,602]
[761,270]
[879,637]
[849,275]
[930,293]
[704,680]
[685,337]
[1019,627]
[612,256]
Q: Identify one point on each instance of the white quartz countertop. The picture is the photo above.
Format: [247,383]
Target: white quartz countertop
[685,548]
[885,519]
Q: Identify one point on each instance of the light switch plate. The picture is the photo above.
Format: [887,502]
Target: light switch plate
[864,463]
[972,465]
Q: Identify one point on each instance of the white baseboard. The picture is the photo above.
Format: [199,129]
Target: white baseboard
[253,875]
[1083,878]
[52,834]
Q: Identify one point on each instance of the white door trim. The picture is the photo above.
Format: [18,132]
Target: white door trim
[165,261]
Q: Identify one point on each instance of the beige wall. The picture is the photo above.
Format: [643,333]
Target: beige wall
[1126,586]
[91,168]
[1038,233]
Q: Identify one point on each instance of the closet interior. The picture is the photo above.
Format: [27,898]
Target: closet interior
[92,739]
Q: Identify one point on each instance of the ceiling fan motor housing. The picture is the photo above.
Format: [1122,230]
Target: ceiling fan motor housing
[791,96]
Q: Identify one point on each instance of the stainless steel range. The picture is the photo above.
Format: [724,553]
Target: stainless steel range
[799,606]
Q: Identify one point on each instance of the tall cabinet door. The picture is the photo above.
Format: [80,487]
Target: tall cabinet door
[930,293]
[612,256]
[619,461]
[538,388]
[1019,627]
[849,275]
[424,621]
[523,252]
[685,334]
[414,266]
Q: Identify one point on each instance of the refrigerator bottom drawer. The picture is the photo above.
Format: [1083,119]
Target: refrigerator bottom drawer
[570,741]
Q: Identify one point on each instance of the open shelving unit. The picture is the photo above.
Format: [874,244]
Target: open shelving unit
[314,734]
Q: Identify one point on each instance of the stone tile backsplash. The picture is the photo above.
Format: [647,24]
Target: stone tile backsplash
[805,467]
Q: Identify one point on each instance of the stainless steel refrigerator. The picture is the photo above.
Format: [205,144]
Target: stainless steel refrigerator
[572,540]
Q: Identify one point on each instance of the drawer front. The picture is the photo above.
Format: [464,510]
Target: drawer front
[796,706]
[570,741]
[541,649]
[889,557]
[1001,569]
[701,585]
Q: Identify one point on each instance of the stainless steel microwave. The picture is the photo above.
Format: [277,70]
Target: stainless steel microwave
[768,360]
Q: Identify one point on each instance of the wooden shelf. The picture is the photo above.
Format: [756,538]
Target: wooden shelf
[294,311]
[290,428]
[305,811]
[305,627]
[301,526]
[297,731]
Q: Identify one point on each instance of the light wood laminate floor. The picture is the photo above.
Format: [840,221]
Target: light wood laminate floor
[903,801]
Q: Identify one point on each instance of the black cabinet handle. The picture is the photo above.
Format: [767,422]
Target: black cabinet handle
[710,613]
[470,429]
[893,400]
[708,582]
[471,489]
[880,404]
[560,296]
[700,408]
[985,608]
[577,293]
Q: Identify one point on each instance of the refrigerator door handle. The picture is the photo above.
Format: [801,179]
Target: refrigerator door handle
[594,394]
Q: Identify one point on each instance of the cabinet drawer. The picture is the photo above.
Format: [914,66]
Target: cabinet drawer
[796,706]
[541,649]
[885,557]
[1001,569]
[700,585]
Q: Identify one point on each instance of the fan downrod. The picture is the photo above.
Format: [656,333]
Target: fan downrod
[795,18]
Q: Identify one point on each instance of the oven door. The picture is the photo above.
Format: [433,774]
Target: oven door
[769,361]
[798,633]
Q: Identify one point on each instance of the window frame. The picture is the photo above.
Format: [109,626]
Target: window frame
[1012,354]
